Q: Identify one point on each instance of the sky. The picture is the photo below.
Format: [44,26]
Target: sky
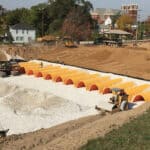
[144,5]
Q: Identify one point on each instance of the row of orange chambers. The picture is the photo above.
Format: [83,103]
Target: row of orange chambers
[83,79]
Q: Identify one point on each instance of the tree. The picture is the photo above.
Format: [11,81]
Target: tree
[58,10]
[3,25]
[78,23]
[17,16]
[40,18]
[48,18]
[125,22]
[115,18]
[146,26]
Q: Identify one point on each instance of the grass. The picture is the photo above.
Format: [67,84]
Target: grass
[134,135]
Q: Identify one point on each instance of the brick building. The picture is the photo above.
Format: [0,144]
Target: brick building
[131,10]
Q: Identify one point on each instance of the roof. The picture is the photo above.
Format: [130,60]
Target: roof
[22,26]
[105,11]
[94,13]
[121,32]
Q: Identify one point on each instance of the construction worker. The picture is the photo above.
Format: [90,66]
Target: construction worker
[41,64]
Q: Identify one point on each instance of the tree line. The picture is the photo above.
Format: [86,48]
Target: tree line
[57,17]
[65,17]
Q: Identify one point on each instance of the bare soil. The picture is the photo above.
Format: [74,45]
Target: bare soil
[2,56]
[128,60]
[133,61]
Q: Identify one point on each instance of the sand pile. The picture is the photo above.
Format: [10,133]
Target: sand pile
[28,103]
[24,110]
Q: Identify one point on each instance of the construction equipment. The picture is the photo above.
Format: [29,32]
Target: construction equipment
[47,39]
[69,42]
[10,68]
[108,41]
[15,70]
[5,68]
[119,101]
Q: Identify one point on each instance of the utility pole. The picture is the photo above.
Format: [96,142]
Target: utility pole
[42,11]
[42,22]
[137,27]
[136,34]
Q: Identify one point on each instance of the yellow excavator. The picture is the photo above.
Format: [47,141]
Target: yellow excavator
[46,38]
[68,42]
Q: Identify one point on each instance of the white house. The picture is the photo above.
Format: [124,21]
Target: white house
[22,33]
[108,21]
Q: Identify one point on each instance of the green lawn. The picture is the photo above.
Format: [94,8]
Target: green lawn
[131,136]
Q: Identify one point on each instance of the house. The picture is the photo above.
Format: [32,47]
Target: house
[104,13]
[104,17]
[131,10]
[22,33]
[108,21]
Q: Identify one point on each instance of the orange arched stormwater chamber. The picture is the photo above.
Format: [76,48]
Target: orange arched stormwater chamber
[93,87]
[80,84]
[106,91]
[81,79]
[30,72]
[38,75]
[138,98]
[58,79]
[48,77]
[69,82]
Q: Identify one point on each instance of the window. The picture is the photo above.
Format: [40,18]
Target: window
[21,38]
[22,31]
[29,39]
[16,31]
[27,31]
[17,38]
